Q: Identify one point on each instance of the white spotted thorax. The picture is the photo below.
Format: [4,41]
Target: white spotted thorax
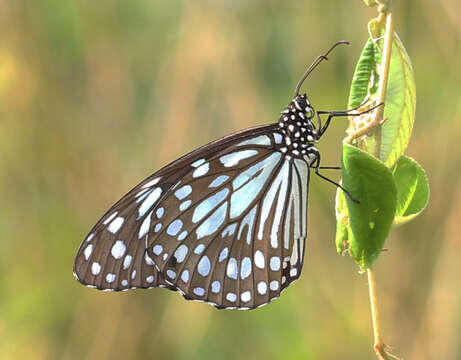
[298,129]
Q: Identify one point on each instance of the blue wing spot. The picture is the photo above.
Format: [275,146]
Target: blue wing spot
[174,228]
[232,268]
[221,179]
[215,287]
[245,269]
[183,192]
[234,158]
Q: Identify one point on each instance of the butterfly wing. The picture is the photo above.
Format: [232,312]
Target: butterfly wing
[113,255]
[224,224]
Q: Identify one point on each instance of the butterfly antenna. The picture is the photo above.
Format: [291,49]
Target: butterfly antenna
[316,63]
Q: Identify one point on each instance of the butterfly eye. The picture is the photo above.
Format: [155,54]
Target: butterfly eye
[310,112]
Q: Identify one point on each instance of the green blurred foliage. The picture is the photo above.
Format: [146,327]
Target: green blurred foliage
[86,89]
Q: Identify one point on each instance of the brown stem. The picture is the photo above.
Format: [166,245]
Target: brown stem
[379,346]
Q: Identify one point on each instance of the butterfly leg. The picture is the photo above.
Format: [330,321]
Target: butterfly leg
[332,114]
[316,166]
[330,167]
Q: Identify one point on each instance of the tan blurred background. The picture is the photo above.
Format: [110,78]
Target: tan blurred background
[96,95]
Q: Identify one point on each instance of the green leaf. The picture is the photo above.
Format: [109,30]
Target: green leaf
[342,222]
[412,189]
[372,183]
[363,83]
[400,103]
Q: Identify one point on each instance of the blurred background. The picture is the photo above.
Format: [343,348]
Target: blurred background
[96,95]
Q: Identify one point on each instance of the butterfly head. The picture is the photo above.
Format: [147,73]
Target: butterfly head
[302,103]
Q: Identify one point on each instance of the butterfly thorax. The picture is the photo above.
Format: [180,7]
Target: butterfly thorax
[299,132]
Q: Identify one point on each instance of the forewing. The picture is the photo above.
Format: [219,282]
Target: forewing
[113,256]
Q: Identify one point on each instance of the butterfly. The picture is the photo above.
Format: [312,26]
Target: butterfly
[225,224]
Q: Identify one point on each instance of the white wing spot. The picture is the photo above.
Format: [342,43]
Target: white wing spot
[159,212]
[248,221]
[232,268]
[245,296]
[275,197]
[116,224]
[207,205]
[221,179]
[245,268]
[201,170]
[185,205]
[151,183]
[180,253]
[260,140]
[294,256]
[199,249]
[185,276]
[88,251]
[223,255]
[197,163]
[95,268]
[230,296]
[124,282]
[213,222]
[293,272]
[174,228]
[183,192]
[149,201]
[118,249]
[158,227]
[171,274]
[229,230]
[182,236]
[144,229]
[234,158]
[204,266]
[249,183]
[275,263]
[158,249]
[110,278]
[90,237]
[150,279]
[262,288]
[215,287]
[277,138]
[274,285]
[199,291]
[133,274]
[127,262]
[259,259]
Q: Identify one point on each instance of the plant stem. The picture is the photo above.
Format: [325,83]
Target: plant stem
[379,346]
[374,310]
[383,78]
